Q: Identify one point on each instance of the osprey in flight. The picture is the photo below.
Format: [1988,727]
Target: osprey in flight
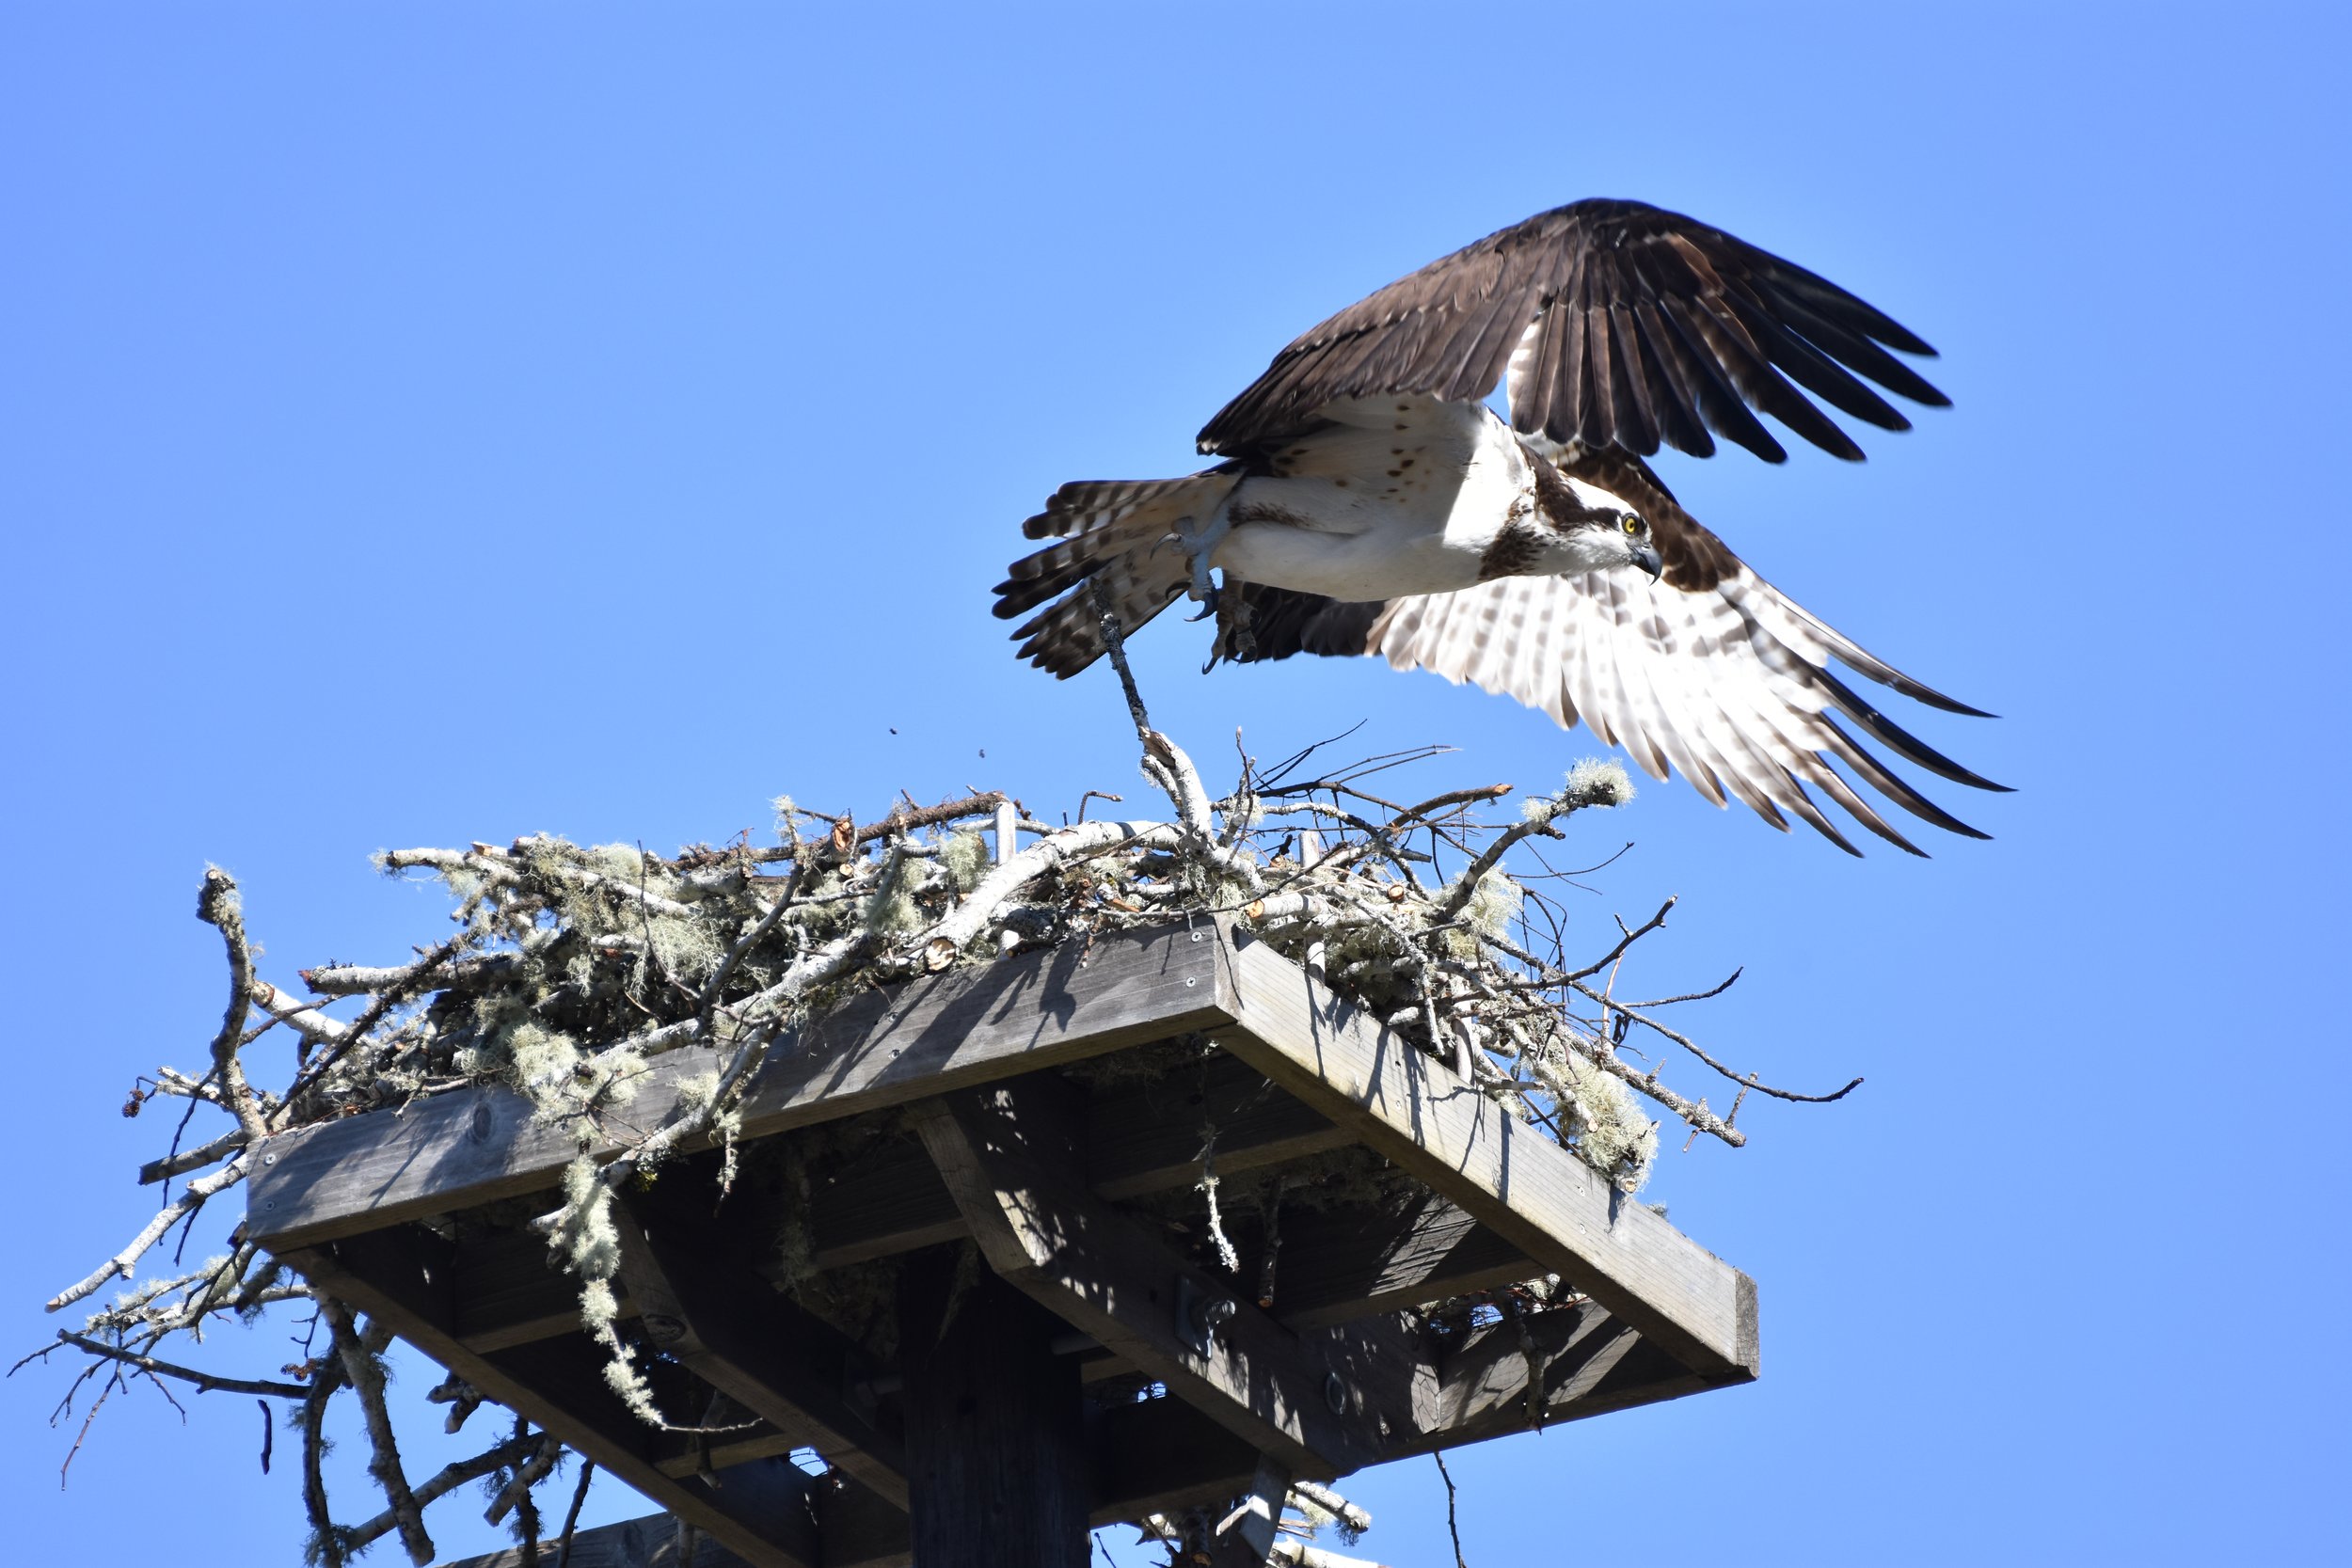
[1370,503]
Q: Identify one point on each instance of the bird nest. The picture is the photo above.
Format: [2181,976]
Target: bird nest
[569,967]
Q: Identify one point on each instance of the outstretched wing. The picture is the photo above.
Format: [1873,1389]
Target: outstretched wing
[1711,670]
[1621,325]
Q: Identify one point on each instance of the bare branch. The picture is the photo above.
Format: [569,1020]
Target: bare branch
[205,1383]
[194,1159]
[448,1478]
[121,1264]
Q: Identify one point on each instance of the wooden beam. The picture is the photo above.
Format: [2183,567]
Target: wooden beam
[508,1293]
[892,1200]
[1142,1137]
[731,1329]
[1503,1172]
[888,1202]
[1339,1264]
[1145,1136]
[402,1279]
[1579,1361]
[470,1147]
[1010,1158]
[1162,1455]
[995,1422]
[1244,1537]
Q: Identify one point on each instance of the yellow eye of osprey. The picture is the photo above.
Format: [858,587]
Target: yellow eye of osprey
[1632,524]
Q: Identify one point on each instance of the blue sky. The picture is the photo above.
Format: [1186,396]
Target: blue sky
[431,424]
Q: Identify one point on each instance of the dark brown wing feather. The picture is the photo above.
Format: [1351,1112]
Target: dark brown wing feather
[1651,330]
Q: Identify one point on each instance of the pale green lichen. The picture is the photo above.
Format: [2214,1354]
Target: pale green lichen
[586,1242]
[1594,782]
[540,1062]
[892,910]
[1599,782]
[1611,1133]
[1489,911]
[965,858]
[698,1091]
[683,946]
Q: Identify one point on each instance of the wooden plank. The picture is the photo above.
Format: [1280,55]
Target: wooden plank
[1145,1136]
[402,1279]
[1340,1264]
[888,1202]
[508,1293]
[471,1147]
[1009,1154]
[731,1329]
[1590,1362]
[1162,1456]
[1507,1174]
[679,1456]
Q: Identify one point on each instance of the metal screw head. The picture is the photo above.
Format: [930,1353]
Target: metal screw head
[1335,1393]
[269,1159]
[1191,980]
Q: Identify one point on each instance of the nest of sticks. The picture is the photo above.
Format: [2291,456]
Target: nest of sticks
[569,967]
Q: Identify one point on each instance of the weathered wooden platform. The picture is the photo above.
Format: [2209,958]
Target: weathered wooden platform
[980,1130]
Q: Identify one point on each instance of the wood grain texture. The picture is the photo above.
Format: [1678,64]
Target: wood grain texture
[1009,1156]
[1507,1174]
[471,1147]
[1145,1137]
[1586,1363]
[508,1293]
[1244,1537]
[724,1323]
[995,1422]
[1344,1263]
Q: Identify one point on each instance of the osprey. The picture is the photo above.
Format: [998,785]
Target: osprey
[1369,502]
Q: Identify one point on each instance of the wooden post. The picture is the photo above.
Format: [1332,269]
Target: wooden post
[997,1464]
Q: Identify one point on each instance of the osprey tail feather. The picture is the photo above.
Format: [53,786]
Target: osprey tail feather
[1119,531]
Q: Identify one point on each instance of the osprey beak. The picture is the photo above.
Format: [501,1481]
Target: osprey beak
[1647,560]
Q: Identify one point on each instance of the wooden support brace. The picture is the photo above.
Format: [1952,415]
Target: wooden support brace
[1244,1537]
[758,1510]
[730,1328]
[1562,1364]
[1010,1157]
